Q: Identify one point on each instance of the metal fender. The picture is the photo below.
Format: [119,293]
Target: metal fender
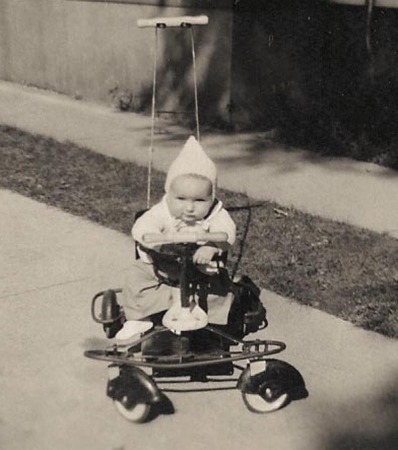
[133,383]
[275,374]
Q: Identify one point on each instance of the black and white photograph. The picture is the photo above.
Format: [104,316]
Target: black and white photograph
[199,224]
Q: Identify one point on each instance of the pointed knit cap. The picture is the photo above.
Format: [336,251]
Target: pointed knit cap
[192,160]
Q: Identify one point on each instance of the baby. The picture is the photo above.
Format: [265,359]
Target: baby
[189,204]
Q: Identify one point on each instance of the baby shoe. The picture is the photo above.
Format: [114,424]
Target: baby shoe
[131,331]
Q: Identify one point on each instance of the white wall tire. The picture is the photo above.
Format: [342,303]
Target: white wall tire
[137,413]
[261,405]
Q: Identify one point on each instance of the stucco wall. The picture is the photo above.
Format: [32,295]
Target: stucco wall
[89,48]
[260,63]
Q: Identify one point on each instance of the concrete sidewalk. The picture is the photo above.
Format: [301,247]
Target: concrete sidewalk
[361,194]
[52,263]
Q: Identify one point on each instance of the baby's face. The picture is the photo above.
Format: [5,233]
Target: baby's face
[189,198]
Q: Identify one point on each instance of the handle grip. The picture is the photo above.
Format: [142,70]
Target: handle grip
[180,238]
[165,22]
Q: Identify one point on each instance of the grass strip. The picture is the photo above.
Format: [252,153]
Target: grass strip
[347,271]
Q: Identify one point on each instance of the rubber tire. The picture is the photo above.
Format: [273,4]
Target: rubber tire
[138,413]
[260,405]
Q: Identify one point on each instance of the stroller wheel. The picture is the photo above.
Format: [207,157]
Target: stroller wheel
[265,402]
[138,412]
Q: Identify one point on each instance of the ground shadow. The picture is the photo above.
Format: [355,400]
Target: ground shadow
[164,407]
[376,432]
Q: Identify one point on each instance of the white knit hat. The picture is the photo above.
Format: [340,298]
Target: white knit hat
[192,160]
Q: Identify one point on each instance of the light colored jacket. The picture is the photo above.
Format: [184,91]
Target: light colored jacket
[159,220]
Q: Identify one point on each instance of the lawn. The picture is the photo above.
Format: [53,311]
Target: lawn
[346,271]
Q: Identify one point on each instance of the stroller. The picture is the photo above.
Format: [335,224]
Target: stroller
[181,342]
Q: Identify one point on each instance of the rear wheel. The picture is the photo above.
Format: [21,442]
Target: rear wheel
[138,412]
[265,402]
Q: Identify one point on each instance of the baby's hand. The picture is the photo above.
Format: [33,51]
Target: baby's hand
[204,255]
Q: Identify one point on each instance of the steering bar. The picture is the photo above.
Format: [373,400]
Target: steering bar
[184,238]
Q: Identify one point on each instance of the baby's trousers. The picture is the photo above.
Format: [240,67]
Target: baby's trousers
[144,294]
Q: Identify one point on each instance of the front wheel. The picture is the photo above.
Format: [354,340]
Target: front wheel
[266,401]
[138,412]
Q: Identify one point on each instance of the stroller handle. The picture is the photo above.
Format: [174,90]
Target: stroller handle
[164,22]
[184,238]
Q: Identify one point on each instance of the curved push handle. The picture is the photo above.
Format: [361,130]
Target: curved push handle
[179,238]
[165,22]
